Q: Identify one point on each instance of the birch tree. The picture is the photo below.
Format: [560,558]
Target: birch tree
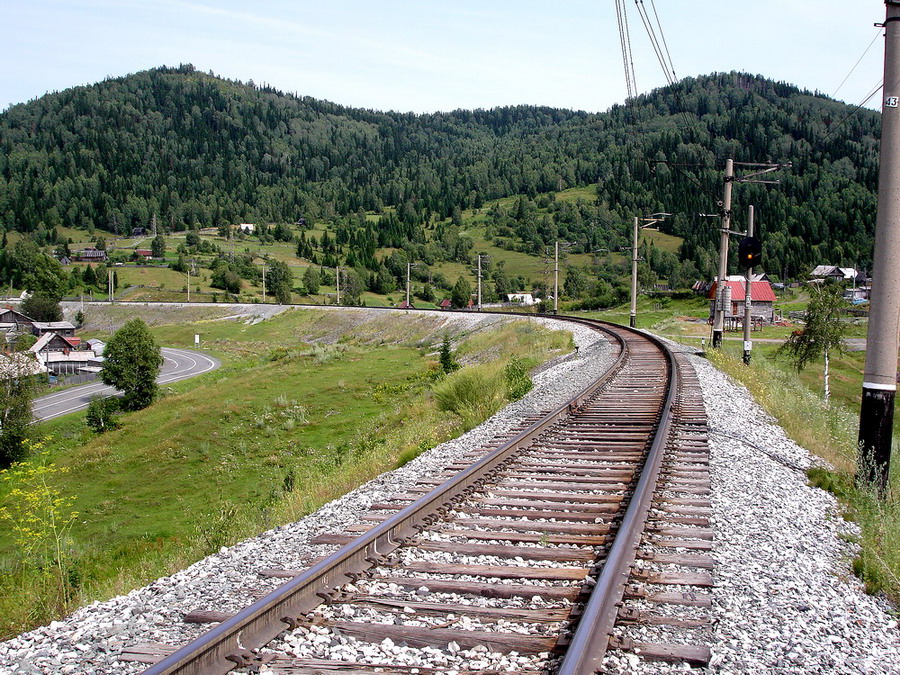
[823,332]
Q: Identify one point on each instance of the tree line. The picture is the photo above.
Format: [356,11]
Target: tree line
[192,150]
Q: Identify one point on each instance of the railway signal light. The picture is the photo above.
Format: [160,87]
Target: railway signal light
[749,252]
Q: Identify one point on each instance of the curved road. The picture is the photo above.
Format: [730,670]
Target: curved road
[178,364]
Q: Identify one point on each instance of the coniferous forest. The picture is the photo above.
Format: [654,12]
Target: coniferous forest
[192,149]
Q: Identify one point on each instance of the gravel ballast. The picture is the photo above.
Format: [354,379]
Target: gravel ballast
[787,601]
[785,598]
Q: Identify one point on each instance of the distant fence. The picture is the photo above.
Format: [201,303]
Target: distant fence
[67,381]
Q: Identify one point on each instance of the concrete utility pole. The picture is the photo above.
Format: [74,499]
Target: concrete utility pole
[648,222]
[408,265]
[748,297]
[264,282]
[725,206]
[876,414]
[632,316]
[479,282]
[337,282]
[719,315]
[556,279]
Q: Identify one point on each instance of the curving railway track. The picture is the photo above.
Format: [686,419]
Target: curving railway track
[537,554]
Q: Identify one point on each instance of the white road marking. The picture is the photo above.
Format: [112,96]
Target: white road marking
[184,365]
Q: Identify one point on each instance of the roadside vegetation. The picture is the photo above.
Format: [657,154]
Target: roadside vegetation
[307,406]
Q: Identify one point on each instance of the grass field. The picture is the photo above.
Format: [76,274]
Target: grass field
[307,406]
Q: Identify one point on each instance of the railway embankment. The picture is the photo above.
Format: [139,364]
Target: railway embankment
[785,598]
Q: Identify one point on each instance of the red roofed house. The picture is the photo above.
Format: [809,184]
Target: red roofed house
[60,355]
[762,299]
[446,303]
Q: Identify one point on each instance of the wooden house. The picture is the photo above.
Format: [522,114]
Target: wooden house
[762,299]
[23,324]
[91,255]
[62,328]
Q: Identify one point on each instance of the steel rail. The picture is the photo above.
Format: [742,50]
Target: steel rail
[230,644]
[589,643]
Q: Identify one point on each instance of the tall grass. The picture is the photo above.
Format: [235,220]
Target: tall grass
[474,393]
[830,432]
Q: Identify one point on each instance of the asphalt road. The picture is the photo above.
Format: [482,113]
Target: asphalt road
[178,364]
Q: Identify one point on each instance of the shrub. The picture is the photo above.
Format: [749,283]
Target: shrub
[474,394]
[102,414]
[518,383]
[39,517]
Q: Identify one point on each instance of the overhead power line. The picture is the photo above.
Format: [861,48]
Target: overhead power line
[658,43]
[877,35]
[625,42]
[853,112]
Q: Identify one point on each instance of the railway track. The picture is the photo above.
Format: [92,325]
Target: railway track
[536,554]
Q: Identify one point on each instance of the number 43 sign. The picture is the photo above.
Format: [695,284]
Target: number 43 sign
[892,101]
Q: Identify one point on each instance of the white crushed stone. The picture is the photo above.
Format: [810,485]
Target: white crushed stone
[785,599]
[90,640]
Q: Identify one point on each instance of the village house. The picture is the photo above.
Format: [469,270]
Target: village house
[91,255]
[96,346]
[21,323]
[762,300]
[61,328]
[61,355]
[526,299]
[834,272]
[53,342]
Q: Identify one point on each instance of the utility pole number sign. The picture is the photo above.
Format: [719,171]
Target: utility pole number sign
[892,101]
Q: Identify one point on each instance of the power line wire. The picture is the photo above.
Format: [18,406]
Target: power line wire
[877,35]
[654,41]
[625,43]
[853,112]
[664,43]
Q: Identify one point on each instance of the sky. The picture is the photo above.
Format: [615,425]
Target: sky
[427,56]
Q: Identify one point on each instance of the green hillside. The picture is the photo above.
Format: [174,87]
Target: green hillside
[190,151]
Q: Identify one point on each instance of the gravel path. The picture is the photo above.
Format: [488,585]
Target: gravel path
[786,601]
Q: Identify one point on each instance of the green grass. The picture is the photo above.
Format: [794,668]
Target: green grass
[306,407]
[662,241]
[473,394]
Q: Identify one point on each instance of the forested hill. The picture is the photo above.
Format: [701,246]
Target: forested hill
[192,149]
